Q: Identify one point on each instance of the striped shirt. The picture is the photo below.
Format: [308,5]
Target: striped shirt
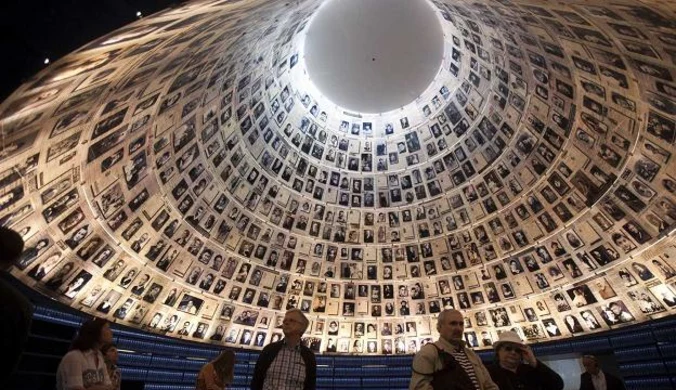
[287,370]
[461,357]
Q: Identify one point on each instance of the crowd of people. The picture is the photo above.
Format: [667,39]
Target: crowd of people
[287,364]
[449,364]
[91,362]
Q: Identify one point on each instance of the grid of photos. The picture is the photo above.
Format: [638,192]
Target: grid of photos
[169,178]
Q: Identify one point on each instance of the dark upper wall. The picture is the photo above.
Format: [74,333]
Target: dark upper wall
[31,30]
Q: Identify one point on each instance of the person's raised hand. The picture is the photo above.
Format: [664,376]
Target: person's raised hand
[528,356]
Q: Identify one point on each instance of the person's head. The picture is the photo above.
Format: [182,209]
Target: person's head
[77,283]
[11,247]
[509,350]
[591,364]
[450,325]
[587,315]
[224,365]
[570,320]
[295,323]
[156,319]
[109,351]
[92,335]
[80,234]
[615,308]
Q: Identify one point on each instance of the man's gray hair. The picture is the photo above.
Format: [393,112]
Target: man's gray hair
[443,315]
[306,322]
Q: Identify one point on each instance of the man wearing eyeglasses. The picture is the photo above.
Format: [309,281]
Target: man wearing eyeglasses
[517,368]
[287,364]
[447,363]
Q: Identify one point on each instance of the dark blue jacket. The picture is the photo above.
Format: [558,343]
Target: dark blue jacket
[268,355]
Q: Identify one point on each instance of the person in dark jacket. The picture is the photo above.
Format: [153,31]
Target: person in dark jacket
[516,367]
[287,364]
[16,311]
[595,379]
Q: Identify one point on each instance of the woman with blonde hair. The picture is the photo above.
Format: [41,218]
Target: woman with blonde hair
[217,374]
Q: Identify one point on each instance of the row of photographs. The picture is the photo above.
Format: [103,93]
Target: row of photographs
[578,309]
[476,285]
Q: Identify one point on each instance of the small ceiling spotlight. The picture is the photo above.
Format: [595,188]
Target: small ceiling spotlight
[139,14]
[46,61]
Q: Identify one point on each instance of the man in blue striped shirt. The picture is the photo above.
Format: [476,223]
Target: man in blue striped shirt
[448,363]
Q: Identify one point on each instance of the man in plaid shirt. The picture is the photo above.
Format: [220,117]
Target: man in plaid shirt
[286,364]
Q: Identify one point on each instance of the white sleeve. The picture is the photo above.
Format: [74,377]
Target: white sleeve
[70,370]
